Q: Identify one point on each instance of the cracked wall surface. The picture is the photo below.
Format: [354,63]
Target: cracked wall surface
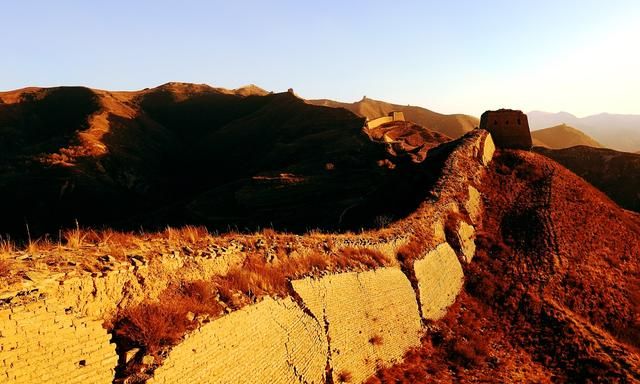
[440,279]
[41,343]
[466,235]
[473,205]
[372,318]
[273,341]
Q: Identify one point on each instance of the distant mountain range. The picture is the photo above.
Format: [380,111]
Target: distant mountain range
[453,126]
[620,132]
[562,136]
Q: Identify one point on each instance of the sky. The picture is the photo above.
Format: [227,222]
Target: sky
[457,56]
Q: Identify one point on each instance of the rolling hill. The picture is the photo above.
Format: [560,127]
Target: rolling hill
[562,136]
[453,126]
[188,153]
[615,131]
[551,285]
[615,173]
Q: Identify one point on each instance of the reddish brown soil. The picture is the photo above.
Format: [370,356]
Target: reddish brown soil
[615,173]
[404,138]
[553,294]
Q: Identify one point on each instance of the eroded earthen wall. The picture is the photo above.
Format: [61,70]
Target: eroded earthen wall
[372,318]
[440,279]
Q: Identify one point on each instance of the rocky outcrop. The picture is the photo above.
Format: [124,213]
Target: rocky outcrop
[509,128]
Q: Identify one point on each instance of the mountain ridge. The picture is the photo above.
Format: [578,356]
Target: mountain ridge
[562,136]
[454,125]
[616,131]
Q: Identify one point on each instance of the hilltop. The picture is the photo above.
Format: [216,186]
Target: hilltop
[615,173]
[190,153]
[346,251]
[452,126]
[562,136]
[615,131]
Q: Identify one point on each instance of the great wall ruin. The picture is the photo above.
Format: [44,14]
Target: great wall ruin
[330,323]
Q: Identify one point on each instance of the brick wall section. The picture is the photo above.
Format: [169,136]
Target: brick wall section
[372,318]
[274,341]
[40,343]
[440,279]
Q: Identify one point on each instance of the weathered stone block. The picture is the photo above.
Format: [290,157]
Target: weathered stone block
[473,205]
[43,351]
[466,234]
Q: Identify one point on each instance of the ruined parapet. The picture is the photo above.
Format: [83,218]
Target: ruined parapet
[335,321]
[392,116]
[509,128]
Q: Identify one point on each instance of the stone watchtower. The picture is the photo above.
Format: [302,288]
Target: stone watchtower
[509,128]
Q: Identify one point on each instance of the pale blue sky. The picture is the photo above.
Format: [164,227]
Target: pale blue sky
[449,56]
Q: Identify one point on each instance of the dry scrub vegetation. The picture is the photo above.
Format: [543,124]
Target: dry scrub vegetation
[155,326]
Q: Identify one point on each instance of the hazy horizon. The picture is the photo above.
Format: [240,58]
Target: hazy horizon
[459,57]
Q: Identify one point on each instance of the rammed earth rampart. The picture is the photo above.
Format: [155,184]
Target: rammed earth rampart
[329,325]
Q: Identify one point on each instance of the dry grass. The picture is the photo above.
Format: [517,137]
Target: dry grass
[256,278]
[421,241]
[75,238]
[7,247]
[156,326]
[188,234]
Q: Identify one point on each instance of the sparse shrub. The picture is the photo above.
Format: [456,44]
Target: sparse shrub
[75,238]
[155,326]
[467,353]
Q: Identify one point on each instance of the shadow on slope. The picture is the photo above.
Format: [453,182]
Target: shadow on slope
[615,173]
[552,294]
[185,154]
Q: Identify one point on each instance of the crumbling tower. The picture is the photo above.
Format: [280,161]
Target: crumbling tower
[509,128]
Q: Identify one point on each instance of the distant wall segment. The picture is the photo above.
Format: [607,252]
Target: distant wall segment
[330,326]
